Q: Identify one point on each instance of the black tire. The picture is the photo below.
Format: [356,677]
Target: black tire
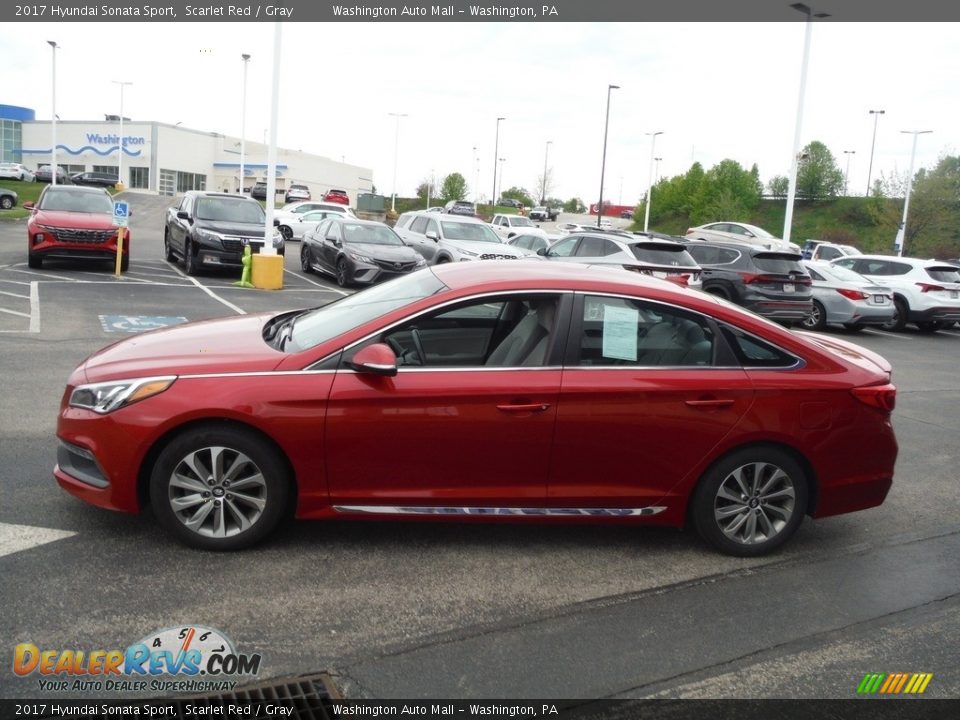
[272,488]
[718,292]
[168,253]
[853,327]
[6,202]
[901,313]
[343,273]
[305,260]
[286,232]
[782,512]
[189,259]
[124,263]
[817,319]
[441,261]
[930,326]
[34,261]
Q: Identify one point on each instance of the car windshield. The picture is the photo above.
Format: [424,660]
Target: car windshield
[229,210]
[331,320]
[369,234]
[73,201]
[474,232]
[661,254]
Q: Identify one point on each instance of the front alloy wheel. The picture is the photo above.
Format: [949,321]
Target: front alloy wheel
[750,502]
[219,489]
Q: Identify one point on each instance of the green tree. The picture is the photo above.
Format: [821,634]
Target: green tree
[934,217]
[454,187]
[574,205]
[818,176]
[727,191]
[427,189]
[778,186]
[518,194]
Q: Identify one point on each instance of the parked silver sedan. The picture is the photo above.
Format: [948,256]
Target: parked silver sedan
[843,297]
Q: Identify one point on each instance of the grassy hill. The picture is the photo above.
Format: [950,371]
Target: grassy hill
[868,223]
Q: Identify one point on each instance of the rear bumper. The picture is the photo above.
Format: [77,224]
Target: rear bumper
[938,314]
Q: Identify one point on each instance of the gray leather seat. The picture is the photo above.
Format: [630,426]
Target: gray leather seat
[526,345]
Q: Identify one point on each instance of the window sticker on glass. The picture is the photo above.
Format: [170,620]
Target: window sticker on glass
[620,327]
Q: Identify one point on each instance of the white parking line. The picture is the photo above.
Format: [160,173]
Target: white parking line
[46,275]
[325,287]
[208,291]
[34,307]
[14,312]
[947,332]
[24,297]
[16,538]
[872,331]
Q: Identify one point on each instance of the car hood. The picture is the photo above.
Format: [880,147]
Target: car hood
[482,248]
[87,221]
[388,253]
[224,345]
[231,228]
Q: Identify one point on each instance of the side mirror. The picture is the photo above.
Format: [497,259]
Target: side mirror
[542,252]
[432,235]
[377,359]
[28,205]
[183,215]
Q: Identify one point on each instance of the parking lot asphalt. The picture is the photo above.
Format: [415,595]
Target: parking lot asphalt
[421,610]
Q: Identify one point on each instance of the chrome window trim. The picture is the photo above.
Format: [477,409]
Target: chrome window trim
[255,373]
[454,301]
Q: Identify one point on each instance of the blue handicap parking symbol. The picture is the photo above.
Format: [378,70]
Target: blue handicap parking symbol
[137,323]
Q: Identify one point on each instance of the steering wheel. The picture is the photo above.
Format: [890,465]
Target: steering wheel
[395,346]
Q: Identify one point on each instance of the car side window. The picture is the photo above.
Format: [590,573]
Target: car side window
[596,247]
[419,225]
[849,263]
[333,232]
[617,332]
[754,352]
[814,274]
[827,253]
[565,247]
[513,331]
[522,241]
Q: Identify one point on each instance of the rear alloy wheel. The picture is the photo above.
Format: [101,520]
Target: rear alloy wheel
[899,320]
[750,502]
[343,273]
[6,202]
[305,260]
[286,232]
[817,319]
[219,488]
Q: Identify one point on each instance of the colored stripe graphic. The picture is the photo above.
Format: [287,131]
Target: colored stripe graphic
[894,683]
[85,148]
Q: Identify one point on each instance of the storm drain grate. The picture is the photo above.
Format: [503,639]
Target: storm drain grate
[310,697]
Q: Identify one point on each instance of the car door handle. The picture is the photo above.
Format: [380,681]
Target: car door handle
[528,407]
[717,403]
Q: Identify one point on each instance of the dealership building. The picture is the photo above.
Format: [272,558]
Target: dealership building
[168,159]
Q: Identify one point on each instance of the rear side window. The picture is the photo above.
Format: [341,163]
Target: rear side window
[709,255]
[596,247]
[778,263]
[657,254]
[419,225]
[754,352]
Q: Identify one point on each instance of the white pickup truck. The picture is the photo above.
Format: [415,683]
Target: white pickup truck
[506,226]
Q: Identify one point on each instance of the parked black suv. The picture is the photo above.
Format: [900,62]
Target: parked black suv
[771,283]
[97,179]
[210,229]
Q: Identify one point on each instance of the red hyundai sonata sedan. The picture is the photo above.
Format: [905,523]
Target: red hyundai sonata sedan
[520,391]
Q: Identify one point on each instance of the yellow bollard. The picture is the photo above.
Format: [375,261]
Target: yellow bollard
[267,273]
[120,232]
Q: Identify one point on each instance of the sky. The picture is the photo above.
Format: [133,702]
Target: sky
[715,91]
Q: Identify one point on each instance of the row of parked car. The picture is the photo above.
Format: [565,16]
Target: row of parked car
[44,173]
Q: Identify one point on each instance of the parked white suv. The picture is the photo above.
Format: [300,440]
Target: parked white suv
[441,238]
[506,226]
[925,292]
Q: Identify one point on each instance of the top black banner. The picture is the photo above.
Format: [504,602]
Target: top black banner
[479,11]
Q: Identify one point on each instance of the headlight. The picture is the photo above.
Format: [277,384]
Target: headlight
[468,253]
[109,396]
[362,258]
[209,236]
[420,261]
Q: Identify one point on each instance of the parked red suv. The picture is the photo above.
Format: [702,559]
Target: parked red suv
[337,196]
[70,222]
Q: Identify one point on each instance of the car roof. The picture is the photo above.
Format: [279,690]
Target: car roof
[896,258]
[447,218]
[737,245]
[76,189]
[355,221]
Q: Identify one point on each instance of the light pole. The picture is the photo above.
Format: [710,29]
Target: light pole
[906,201]
[792,186]
[496,151]
[243,122]
[603,162]
[846,175]
[122,84]
[502,161]
[476,172]
[53,117]
[646,211]
[656,171]
[543,189]
[396,145]
[876,116]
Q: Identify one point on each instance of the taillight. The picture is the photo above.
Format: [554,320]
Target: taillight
[882,397]
[853,294]
[926,287]
[776,279]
